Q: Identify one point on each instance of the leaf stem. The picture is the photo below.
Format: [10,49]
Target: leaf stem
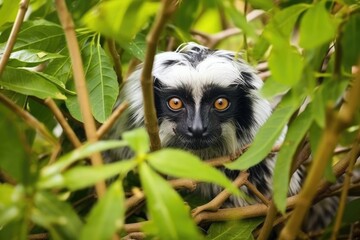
[151,123]
[80,85]
[23,6]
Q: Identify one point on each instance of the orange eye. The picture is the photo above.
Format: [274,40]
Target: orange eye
[175,104]
[221,104]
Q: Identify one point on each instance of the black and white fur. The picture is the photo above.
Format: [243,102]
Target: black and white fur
[198,76]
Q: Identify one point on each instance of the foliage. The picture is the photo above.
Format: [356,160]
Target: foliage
[46,181]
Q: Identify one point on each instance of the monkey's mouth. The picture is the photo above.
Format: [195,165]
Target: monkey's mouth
[192,143]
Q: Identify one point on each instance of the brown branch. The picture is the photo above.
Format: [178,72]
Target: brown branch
[218,201]
[80,85]
[29,119]
[38,236]
[256,192]
[62,121]
[344,192]
[23,6]
[116,59]
[335,124]
[111,120]
[151,123]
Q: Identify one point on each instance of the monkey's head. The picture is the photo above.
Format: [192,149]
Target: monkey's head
[207,101]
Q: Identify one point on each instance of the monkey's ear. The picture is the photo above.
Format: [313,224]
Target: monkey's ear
[248,80]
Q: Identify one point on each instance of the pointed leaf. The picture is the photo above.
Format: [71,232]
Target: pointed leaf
[107,216]
[138,140]
[101,84]
[80,177]
[286,65]
[167,210]
[234,230]
[268,134]
[294,136]
[316,27]
[79,153]
[56,216]
[31,57]
[38,34]
[183,164]
[29,83]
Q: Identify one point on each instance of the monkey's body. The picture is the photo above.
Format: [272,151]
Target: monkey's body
[208,103]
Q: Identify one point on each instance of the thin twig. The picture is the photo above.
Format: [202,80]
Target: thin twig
[80,85]
[23,6]
[62,121]
[29,119]
[218,201]
[111,120]
[344,192]
[151,123]
[38,236]
[335,124]
[116,59]
[269,221]
[256,192]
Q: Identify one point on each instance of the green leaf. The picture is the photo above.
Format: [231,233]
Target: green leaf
[294,136]
[240,20]
[38,34]
[80,177]
[56,82]
[349,41]
[234,230]
[286,65]
[120,20]
[137,139]
[283,22]
[268,134]
[186,14]
[101,84]
[262,4]
[8,11]
[183,164]
[137,47]
[8,211]
[56,216]
[29,83]
[316,27]
[167,210]
[30,57]
[272,88]
[60,68]
[107,216]
[79,153]
[14,160]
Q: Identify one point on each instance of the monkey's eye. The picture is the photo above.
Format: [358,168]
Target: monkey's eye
[221,104]
[175,104]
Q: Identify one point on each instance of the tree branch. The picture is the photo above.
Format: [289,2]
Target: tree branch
[23,6]
[111,120]
[151,124]
[80,85]
[62,121]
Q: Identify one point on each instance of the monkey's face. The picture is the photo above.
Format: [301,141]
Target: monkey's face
[206,100]
[197,121]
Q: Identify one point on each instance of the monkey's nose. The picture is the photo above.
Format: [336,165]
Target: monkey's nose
[197,130]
